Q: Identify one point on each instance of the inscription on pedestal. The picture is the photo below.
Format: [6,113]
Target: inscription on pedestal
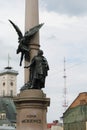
[31,119]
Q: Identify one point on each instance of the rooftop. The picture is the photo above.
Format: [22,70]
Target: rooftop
[7,106]
[8,70]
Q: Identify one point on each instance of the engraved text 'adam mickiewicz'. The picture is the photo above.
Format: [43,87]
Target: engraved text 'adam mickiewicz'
[31,119]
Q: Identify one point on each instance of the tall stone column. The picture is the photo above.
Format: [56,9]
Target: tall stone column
[31,20]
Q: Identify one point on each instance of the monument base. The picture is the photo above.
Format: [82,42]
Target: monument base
[31,106]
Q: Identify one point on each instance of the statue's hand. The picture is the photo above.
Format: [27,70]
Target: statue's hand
[26,66]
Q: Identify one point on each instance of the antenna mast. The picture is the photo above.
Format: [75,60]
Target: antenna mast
[8,59]
[65,102]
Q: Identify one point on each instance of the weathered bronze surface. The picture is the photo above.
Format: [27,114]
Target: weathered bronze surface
[38,71]
[39,66]
[24,41]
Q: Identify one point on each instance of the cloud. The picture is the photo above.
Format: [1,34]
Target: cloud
[13,10]
[69,7]
[64,36]
[61,36]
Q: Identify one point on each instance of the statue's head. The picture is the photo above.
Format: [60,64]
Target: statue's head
[40,52]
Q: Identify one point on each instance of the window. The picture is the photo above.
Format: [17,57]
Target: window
[11,92]
[3,83]
[3,92]
[11,83]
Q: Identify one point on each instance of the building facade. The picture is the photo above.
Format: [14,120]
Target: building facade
[75,117]
[8,82]
[8,87]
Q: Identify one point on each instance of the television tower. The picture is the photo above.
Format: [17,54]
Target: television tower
[65,102]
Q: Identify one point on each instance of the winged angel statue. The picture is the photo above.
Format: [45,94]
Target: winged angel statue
[23,41]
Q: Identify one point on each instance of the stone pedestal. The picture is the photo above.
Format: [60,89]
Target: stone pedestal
[31,108]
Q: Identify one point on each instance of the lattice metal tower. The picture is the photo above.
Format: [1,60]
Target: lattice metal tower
[65,102]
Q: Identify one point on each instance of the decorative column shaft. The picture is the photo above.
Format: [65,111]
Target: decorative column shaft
[31,20]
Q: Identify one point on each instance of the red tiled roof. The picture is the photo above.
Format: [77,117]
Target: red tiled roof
[49,125]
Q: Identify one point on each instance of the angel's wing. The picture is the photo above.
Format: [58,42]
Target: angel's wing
[24,48]
[33,30]
[17,30]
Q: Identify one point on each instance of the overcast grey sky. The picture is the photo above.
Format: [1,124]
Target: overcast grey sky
[64,34]
[70,7]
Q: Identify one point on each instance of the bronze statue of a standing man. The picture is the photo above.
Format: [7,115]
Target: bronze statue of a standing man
[38,71]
